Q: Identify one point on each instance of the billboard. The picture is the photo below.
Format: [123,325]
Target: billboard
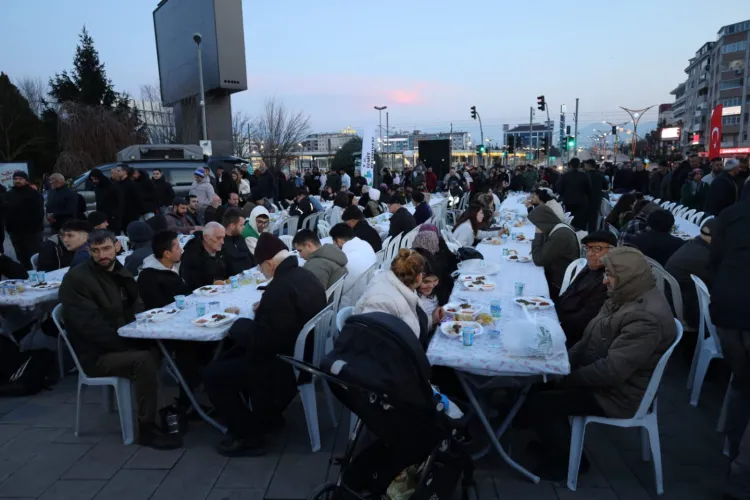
[670,134]
[731,111]
[219,23]
[6,172]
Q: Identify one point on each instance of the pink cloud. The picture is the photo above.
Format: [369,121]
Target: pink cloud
[408,97]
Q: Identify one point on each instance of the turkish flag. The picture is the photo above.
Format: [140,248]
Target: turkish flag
[714,138]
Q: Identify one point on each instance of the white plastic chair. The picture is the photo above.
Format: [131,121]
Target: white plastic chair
[120,385]
[287,240]
[450,242]
[688,214]
[310,222]
[307,391]
[124,242]
[707,348]
[645,418]
[289,226]
[612,229]
[391,250]
[706,220]
[324,228]
[571,272]
[663,278]
[696,219]
[34,260]
[408,238]
[656,201]
[359,286]
[342,316]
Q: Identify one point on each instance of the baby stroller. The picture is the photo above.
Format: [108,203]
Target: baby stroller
[378,369]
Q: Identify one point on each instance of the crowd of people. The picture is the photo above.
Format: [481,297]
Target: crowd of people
[616,321]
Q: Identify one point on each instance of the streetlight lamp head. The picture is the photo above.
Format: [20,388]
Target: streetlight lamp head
[197,38]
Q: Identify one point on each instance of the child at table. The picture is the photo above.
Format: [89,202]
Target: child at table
[428,299]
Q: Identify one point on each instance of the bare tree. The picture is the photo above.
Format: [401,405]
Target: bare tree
[242,134]
[159,120]
[278,133]
[34,90]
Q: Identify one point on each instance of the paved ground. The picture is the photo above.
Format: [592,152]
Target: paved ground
[40,457]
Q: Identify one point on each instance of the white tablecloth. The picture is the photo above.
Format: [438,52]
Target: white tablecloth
[28,299]
[382,226]
[487,356]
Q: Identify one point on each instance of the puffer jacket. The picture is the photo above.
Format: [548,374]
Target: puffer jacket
[204,191]
[622,345]
[387,294]
[158,285]
[328,264]
[554,248]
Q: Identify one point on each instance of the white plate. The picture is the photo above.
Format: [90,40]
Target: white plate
[209,290]
[521,259]
[456,306]
[478,267]
[161,314]
[446,328]
[535,302]
[13,282]
[208,321]
[487,287]
[40,287]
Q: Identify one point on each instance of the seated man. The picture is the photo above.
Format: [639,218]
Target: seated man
[98,220]
[355,219]
[257,223]
[67,249]
[359,258]
[251,366]
[302,205]
[554,247]
[327,262]
[159,280]
[177,217]
[611,366]
[422,210]
[587,293]
[657,242]
[212,213]
[139,234]
[402,221]
[237,256]
[193,215]
[98,297]
[203,261]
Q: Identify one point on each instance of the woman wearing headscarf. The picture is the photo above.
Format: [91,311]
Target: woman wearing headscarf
[372,209]
[428,239]
[554,247]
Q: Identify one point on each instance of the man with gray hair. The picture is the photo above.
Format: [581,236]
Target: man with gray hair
[203,261]
[62,203]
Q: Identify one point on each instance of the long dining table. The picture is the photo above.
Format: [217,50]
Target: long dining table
[490,362]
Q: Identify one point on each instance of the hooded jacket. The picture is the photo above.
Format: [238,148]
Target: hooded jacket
[158,285]
[53,255]
[200,268]
[328,264]
[250,232]
[622,345]
[359,258]
[554,248]
[204,191]
[386,293]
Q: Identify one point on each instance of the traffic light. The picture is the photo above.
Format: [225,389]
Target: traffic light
[511,144]
[614,130]
[481,149]
[540,104]
[545,144]
[474,112]
[567,130]
[571,143]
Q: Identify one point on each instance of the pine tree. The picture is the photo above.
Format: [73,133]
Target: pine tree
[88,83]
[20,128]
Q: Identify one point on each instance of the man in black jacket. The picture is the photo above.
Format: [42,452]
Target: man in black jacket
[575,190]
[252,367]
[724,191]
[130,196]
[203,261]
[355,219]
[25,219]
[66,249]
[159,280]
[99,297]
[598,188]
[147,192]
[654,183]
[333,179]
[302,205]
[164,190]
[657,241]
[586,294]
[237,256]
[62,203]
[267,186]
[402,221]
[108,199]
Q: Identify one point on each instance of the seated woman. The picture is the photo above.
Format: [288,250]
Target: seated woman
[545,196]
[327,194]
[467,230]
[554,247]
[372,209]
[623,206]
[427,291]
[394,292]
[428,239]
[340,202]
[611,366]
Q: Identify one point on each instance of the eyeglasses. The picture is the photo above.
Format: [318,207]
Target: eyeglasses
[596,248]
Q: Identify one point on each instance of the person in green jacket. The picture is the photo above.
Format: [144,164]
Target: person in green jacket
[693,193]
[258,222]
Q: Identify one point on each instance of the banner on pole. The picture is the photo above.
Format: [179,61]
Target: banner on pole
[6,172]
[367,168]
[714,141]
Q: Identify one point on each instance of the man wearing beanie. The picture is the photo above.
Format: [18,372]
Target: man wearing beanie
[292,298]
[140,235]
[202,189]
[98,220]
[657,241]
[724,190]
[24,209]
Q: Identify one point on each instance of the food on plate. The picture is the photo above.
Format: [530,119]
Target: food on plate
[232,310]
[464,317]
[521,237]
[512,251]
[451,310]
[484,319]
[544,303]
[455,328]
[465,305]
[513,257]
[217,317]
[524,302]
[201,321]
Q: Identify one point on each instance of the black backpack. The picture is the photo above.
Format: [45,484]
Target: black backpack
[24,373]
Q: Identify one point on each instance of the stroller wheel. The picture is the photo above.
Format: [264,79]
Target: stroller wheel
[325,491]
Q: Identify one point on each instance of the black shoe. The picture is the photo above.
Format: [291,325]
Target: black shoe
[151,437]
[242,447]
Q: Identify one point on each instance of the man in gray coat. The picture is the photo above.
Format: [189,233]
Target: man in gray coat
[327,262]
[611,366]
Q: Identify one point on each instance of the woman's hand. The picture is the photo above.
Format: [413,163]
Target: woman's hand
[438,315]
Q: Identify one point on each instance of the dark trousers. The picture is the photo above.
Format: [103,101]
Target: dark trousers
[26,245]
[191,358]
[141,368]
[735,345]
[593,217]
[547,412]
[580,215]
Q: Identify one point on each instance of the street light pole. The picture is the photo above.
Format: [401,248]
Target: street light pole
[380,125]
[197,39]
[388,142]
[636,115]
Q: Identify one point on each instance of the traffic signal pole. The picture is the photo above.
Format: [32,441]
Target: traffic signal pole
[531,127]
[575,132]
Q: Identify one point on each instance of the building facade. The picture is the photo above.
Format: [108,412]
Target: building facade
[328,142]
[158,120]
[525,138]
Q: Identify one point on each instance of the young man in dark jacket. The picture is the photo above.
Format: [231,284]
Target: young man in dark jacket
[99,297]
[599,186]
[724,191]
[586,294]
[267,186]
[130,196]
[252,367]
[164,190]
[354,218]
[108,199]
[159,280]
[203,261]
[69,248]
[401,221]
[302,205]
[575,190]
[24,221]
[62,202]
[237,255]
[422,212]
[146,192]
[657,242]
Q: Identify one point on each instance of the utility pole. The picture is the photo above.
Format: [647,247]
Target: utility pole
[575,131]
[376,174]
[531,127]
[197,39]
[388,142]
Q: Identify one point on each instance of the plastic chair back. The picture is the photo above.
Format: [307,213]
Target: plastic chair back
[704,299]
[662,278]
[57,318]
[322,318]
[289,226]
[688,214]
[124,242]
[706,220]
[287,240]
[310,222]
[571,272]
[653,384]
[324,228]
[34,260]
[392,250]
[342,316]
[409,237]
[696,219]
[612,229]
[333,294]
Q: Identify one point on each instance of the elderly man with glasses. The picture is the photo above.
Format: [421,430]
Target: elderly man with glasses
[586,294]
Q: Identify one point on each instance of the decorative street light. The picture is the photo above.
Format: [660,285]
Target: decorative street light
[635,115]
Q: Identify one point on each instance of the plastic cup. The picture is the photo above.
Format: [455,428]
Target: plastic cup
[467,335]
[141,321]
[41,276]
[214,306]
[200,308]
[234,281]
[33,276]
[179,301]
[519,287]
[496,308]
